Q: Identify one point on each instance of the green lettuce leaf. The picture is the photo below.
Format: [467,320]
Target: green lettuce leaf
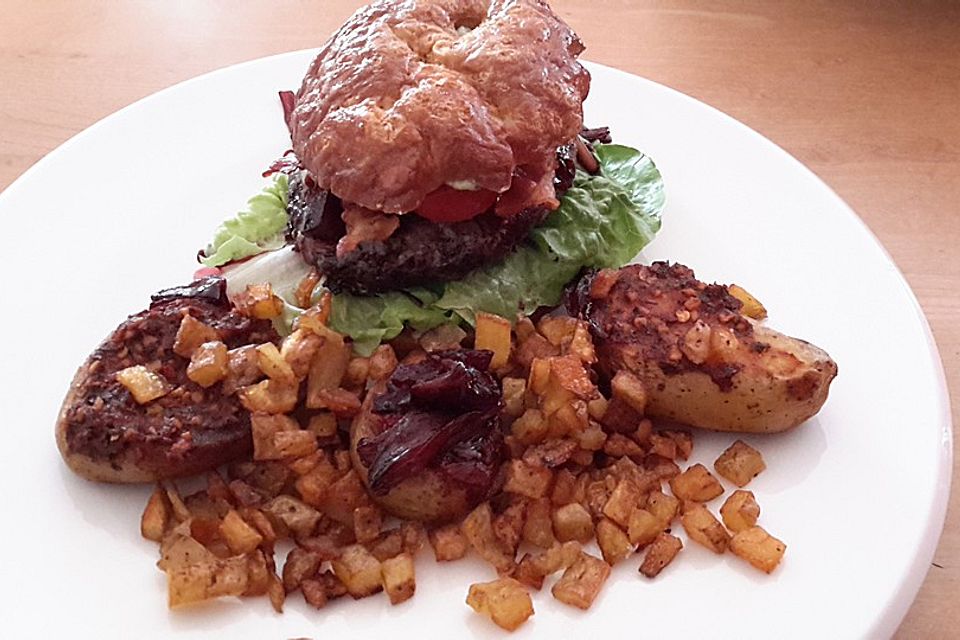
[603,221]
[260,228]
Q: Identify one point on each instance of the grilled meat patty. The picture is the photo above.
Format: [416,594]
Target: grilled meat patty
[104,434]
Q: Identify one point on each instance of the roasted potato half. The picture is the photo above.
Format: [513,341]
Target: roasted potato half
[702,362]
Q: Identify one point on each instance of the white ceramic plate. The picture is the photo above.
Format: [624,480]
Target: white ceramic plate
[858,494]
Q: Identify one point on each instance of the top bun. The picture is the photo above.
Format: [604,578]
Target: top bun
[410,95]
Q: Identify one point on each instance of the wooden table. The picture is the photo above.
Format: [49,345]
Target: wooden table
[865,94]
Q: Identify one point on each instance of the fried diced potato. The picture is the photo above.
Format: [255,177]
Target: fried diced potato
[343,497]
[264,427]
[300,565]
[581,344]
[315,318]
[359,571]
[323,425]
[399,580]
[294,444]
[662,468]
[618,445]
[297,516]
[660,553]
[367,520]
[386,545]
[144,385]
[569,373]
[414,536]
[530,428]
[156,516]
[620,417]
[740,511]
[752,308]
[328,368]
[382,362]
[208,365]
[313,593]
[538,526]
[558,330]
[696,484]
[239,536]
[177,507]
[275,591]
[564,486]
[593,438]
[273,364]
[527,480]
[341,402]
[313,485]
[664,507]
[514,390]
[358,370]
[630,389]
[504,601]
[258,301]
[532,346]
[663,446]
[269,396]
[298,351]
[258,575]
[624,499]
[759,548]
[493,334]
[187,584]
[533,568]
[478,529]
[242,368]
[643,527]
[740,463]
[703,527]
[683,441]
[508,525]
[448,543]
[191,334]
[613,542]
[581,582]
[261,523]
[572,522]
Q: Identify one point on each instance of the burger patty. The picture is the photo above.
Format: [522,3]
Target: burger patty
[419,252]
[190,429]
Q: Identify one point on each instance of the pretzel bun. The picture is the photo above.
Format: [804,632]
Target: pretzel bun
[410,95]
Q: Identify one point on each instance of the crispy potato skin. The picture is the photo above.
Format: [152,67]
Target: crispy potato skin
[703,363]
[426,497]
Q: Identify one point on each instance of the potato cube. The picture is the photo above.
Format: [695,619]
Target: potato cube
[683,441]
[514,390]
[264,427]
[643,527]
[629,388]
[740,463]
[624,499]
[294,444]
[618,445]
[527,480]
[399,580]
[572,522]
[314,593]
[367,520]
[703,527]
[303,294]
[191,583]
[382,362]
[660,553]
[313,485]
[448,543]
[493,334]
[358,370]
[504,601]
[258,301]
[564,486]
[593,438]
[359,571]
[558,330]
[413,535]
[315,318]
[144,385]
[239,536]
[191,334]
[663,446]
[534,568]
[208,365]
[568,373]
[532,347]
[530,428]
[613,542]
[343,497]
[478,529]
[696,484]
[156,516]
[297,516]
[242,368]
[759,548]
[298,351]
[581,344]
[269,396]
[752,308]
[740,511]
[328,368]
[301,564]
[581,582]
[538,526]
[341,402]
[620,417]
[274,365]
[663,506]
[323,425]
[508,525]
[662,468]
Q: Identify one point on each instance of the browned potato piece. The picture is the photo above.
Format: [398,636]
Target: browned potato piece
[493,334]
[531,427]
[624,499]
[660,553]
[663,506]
[504,601]
[191,334]
[269,396]
[259,301]
[208,365]
[527,480]
[703,527]
[581,582]
[274,365]
[300,565]
[297,516]
[752,308]
[740,511]
[759,548]
[740,463]
[239,536]
[156,516]
[359,571]
[399,580]
[572,522]
[696,484]
[538,526]
[643,527]
[532,569]
[478,529]
[448,543]
[629,388]
[144,385]
[613,542]
[190,583]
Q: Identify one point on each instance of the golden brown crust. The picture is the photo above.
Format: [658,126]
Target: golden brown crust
[411,94]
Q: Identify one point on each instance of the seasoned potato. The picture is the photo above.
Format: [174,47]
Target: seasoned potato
[740,511]
[572,522]
[740,463]
[504,601]
[448,543]
[613,542]
[759,548]
[703,527]
[581,582]
[399,580]
[696,484]
[359,571]
[493,334]
[659,554]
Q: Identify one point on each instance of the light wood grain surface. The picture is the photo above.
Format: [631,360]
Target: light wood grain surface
[867,94]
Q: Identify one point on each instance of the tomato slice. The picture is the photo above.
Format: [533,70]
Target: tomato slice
[447,204]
